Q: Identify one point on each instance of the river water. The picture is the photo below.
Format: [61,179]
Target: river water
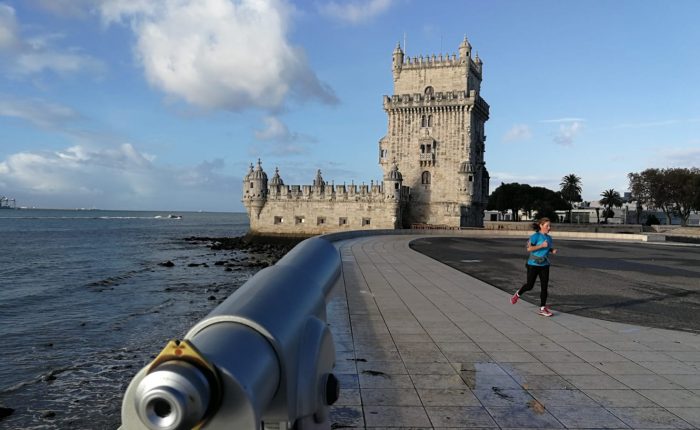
[85,302]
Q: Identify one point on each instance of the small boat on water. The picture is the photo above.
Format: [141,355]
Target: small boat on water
[171,216]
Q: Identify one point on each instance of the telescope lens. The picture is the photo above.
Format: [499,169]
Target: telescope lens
[161,408]
[160,414]
[172,397]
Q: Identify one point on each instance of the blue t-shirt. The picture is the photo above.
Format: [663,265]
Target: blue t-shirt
[539,257]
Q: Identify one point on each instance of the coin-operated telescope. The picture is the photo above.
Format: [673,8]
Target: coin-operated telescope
[261,360]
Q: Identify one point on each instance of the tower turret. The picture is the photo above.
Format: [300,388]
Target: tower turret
[276,183]
[465,49]
[393,180]
[318,181]
[397,61]
[276,180]
[255,190]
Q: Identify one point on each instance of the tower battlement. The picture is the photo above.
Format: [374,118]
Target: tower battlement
[439,99]
[448,60]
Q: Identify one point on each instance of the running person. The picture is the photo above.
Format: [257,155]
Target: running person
[540,245]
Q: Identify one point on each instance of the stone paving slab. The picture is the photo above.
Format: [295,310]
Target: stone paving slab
[420,345]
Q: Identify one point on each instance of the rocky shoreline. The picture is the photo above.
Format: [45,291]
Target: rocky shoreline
[262,251]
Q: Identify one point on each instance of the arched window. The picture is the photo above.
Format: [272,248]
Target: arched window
[423,121]
[425,178]
[430,120]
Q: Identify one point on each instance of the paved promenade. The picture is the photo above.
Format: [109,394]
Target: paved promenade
[422,345]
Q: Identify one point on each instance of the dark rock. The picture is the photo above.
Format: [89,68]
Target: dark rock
[211,298]
[219,263]
[228,269]
[5,412]
[48,414]
[167,264]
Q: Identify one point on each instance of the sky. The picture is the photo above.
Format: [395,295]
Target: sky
[163,104]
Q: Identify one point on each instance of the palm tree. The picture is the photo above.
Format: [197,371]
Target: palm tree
[609,199]
[571,190]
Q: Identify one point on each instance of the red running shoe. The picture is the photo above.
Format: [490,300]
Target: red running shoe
[545,312]
[514,299]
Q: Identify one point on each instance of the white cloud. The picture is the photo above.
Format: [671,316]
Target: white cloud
[565,120]
[281,140]
[275,130]
[120,177]
[518,132]
[39,112]
[8,28]
[568,132]
[355,12]
[681,157]
[36,54]
[219,54]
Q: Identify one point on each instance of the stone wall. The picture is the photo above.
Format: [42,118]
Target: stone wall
[310,217]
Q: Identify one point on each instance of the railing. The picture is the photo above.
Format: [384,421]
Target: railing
[261,359]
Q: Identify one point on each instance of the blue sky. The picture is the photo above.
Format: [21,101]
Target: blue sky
[162,104]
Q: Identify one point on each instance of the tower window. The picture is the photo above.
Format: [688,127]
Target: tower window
[365,221]
[251,184]
[342,221]
[278,220]
[425,178]
[430,120]
[423,121]
[429,91]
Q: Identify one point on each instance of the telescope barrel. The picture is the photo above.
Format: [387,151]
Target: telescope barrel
[265,355]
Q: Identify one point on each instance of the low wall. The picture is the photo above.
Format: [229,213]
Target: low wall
[582,228]
[478,232]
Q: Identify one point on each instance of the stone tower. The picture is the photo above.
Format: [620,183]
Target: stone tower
[255,190]
[436,137]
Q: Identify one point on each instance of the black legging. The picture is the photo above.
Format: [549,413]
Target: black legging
[532,273]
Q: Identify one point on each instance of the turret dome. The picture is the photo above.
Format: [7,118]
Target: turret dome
[249,175]
[259,173]
[394,174]
[276,180]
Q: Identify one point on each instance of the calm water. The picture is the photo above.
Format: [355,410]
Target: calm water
[84,304]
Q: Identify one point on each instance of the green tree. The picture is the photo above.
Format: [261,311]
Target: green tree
[610,198]
[515,197]
[508,197]
[545,202]
[675,191]
[571,190]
